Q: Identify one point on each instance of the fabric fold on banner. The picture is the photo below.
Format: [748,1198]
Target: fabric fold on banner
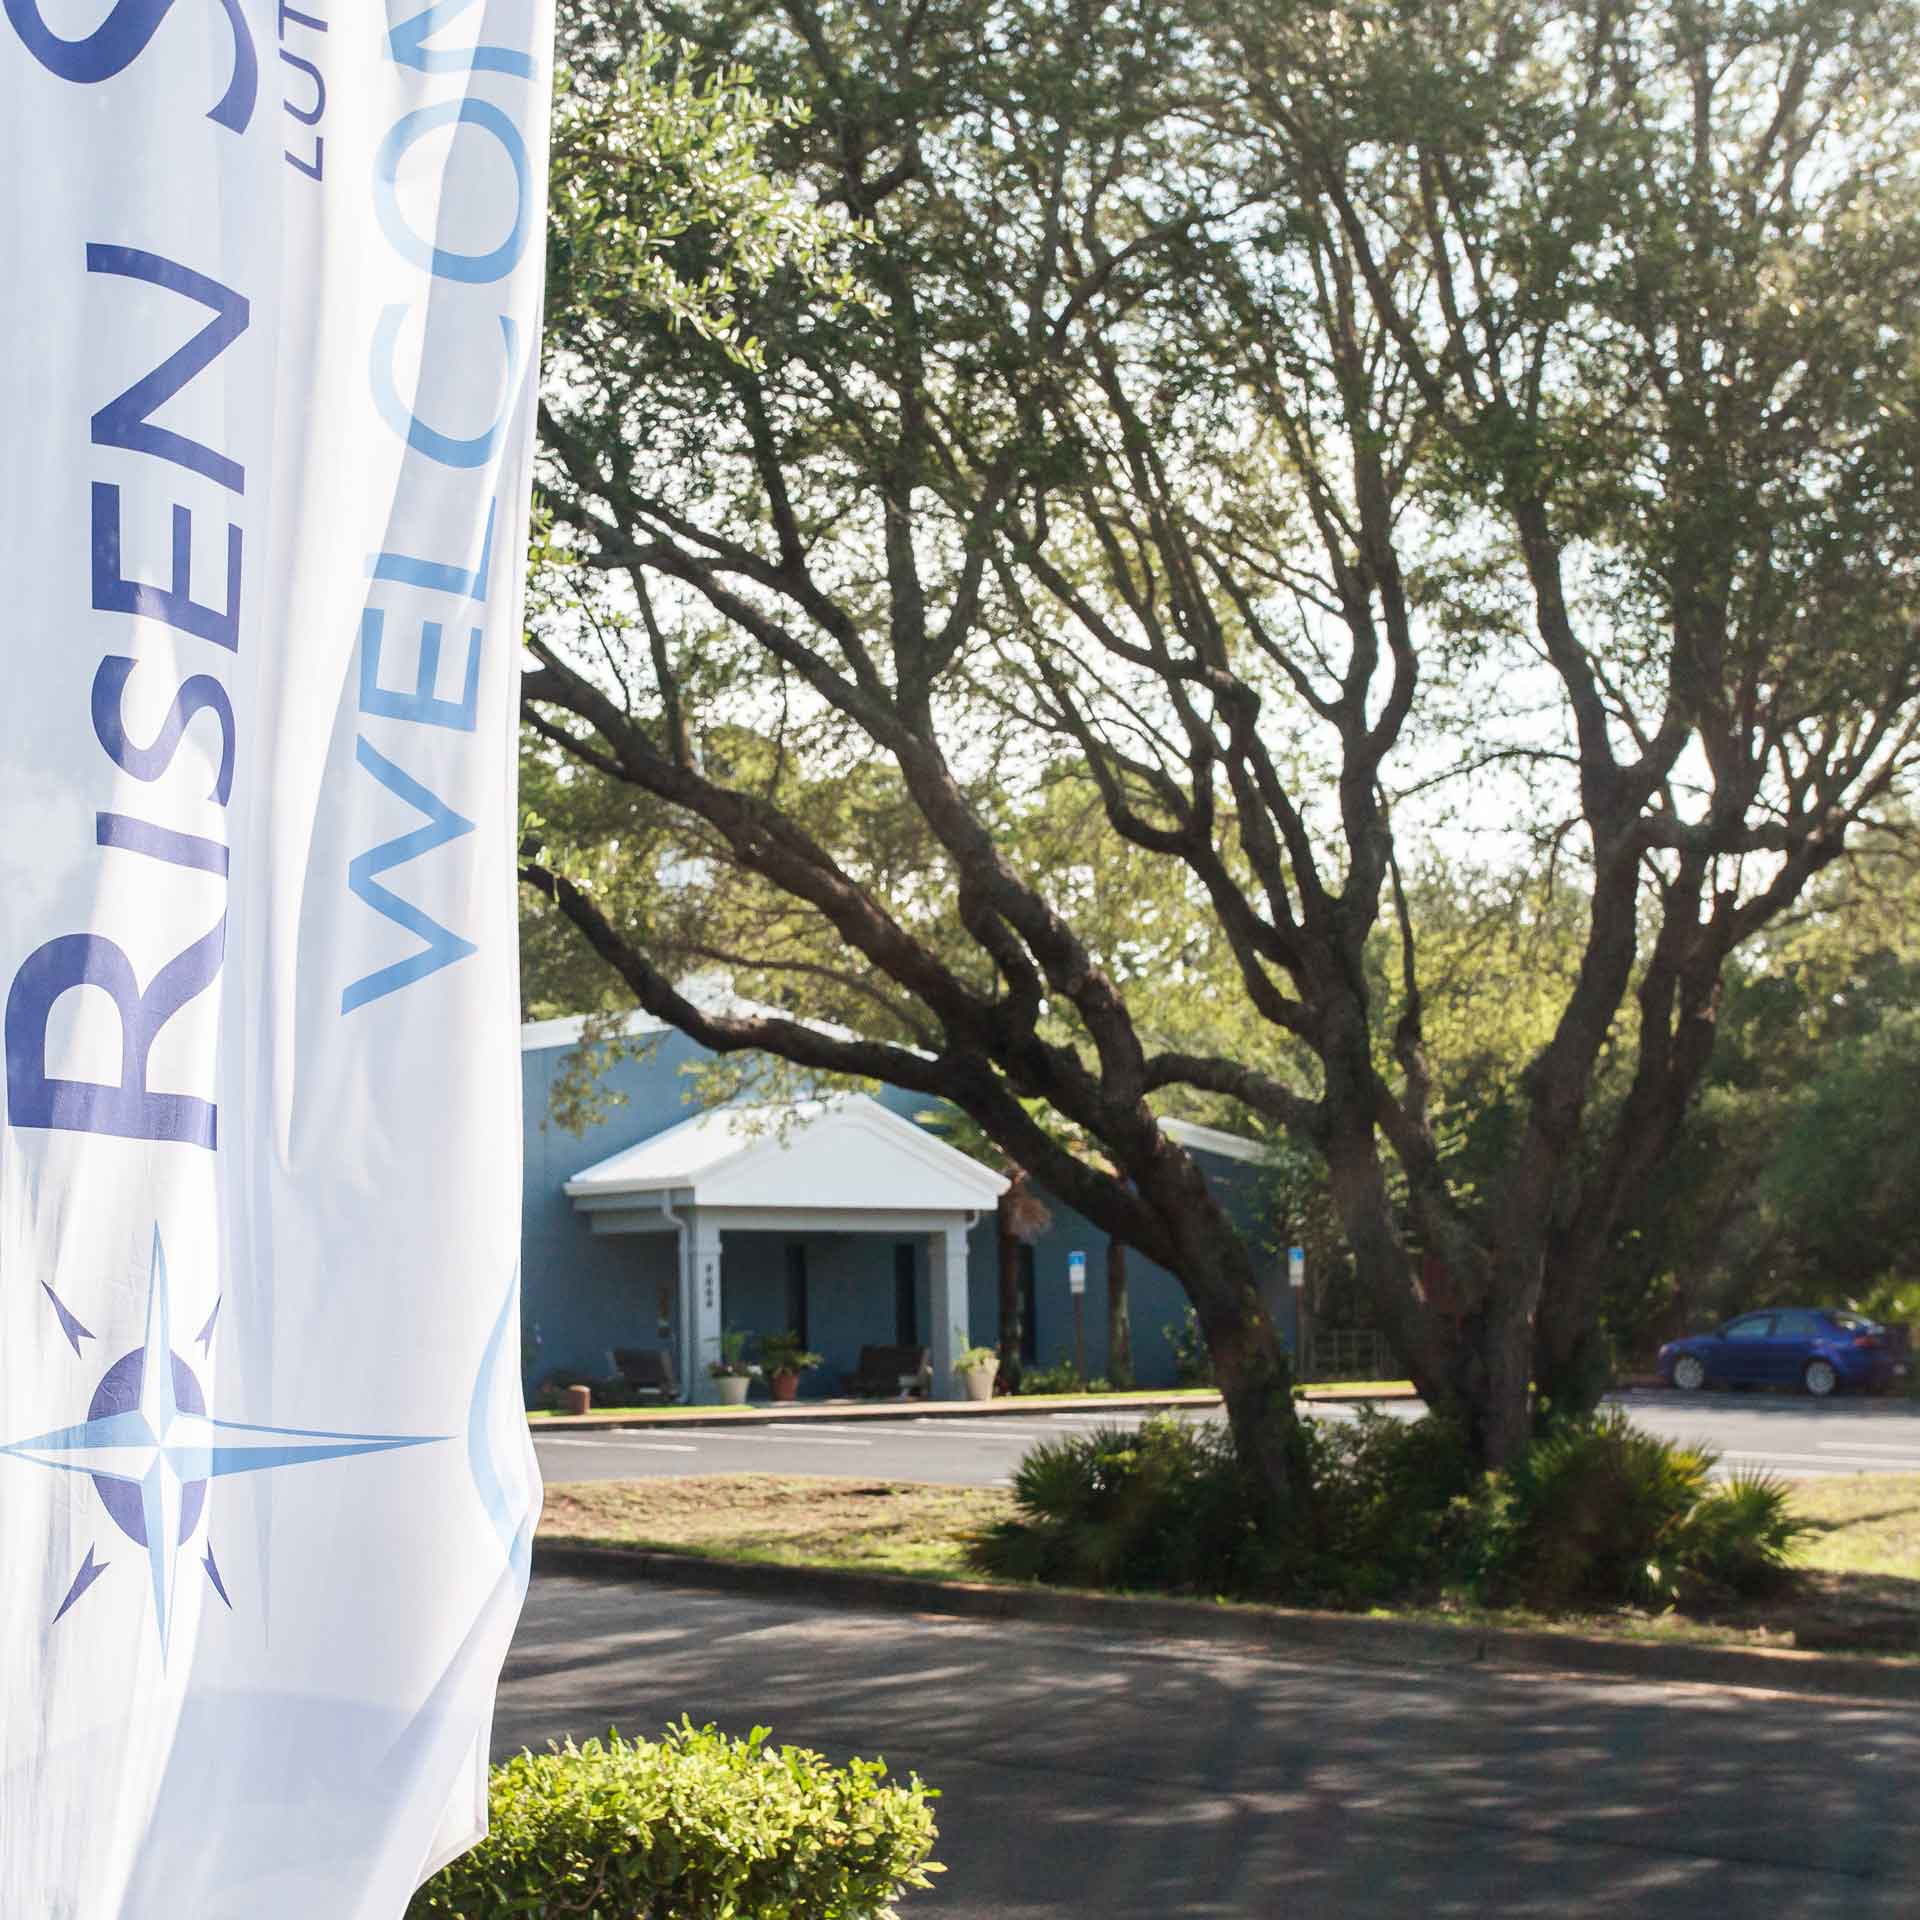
[271,329]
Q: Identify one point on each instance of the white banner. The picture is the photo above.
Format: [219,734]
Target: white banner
[269,311]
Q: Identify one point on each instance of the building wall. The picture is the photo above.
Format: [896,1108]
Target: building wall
[584,1294]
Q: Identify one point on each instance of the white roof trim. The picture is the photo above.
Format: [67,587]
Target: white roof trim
[848,1154]
[1229,1146]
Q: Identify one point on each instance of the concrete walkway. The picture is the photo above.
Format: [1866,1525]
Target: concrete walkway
[1085,1775]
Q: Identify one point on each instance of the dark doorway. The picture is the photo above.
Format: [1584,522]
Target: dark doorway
[797,1290]
[906,1296]
[1029,1305]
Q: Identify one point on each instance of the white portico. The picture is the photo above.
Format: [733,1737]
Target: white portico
[839,1165]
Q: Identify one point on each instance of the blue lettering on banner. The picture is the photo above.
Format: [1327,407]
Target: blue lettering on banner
[476,269]
[306,101]
[441,948]
[127,422]
[407,43]
[113,592]
[444,448]
[437,576]
[400,580]
[122,37]
[419,703]
[200,693]
[129,1108]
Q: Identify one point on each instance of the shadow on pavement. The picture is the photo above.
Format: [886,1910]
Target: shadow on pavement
[1085,1775]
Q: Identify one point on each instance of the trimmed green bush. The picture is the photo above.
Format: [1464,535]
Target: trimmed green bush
[1164,1507]
[694,1826]
[1059,1379]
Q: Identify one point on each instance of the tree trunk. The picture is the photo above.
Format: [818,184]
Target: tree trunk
[1119,1317]
[1215,1266]
[1012,1306]
[1250,1367]
[1473,1365]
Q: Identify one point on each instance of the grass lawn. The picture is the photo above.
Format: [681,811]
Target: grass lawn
[1864,1523]
[1859,1590]
[874,1526]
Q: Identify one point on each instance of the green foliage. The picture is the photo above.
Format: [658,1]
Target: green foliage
[1063,1378]
[783,1353]
[1596,1513]
[1192,1358]
[1383,1490]
[1164,1508]
[1741,1534]
[733,1355]
[694,1826]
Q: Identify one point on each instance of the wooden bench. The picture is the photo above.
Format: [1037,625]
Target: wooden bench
[881,1370]
[647,1371]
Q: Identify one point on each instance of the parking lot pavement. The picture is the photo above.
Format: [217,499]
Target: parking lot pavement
[1788,1434]
[1133,1780]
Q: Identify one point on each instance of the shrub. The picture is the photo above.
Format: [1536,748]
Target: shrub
[1596,1513]
[695,1826]
[1386,1492]
[1741,1535]
[1059,1379]
[1192,1357]
[1164,1507]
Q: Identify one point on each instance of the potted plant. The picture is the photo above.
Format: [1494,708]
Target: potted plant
[732,1373]
[975,1369]
[784,1360]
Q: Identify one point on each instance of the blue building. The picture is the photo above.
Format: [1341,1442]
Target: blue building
[843,1218]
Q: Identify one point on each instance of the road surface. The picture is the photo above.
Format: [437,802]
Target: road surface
[1790,1435]
[1119,1779]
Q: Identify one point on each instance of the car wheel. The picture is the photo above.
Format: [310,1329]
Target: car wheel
[1688,1374]
[1820,1378]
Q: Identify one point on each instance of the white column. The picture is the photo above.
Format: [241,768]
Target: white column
[700,1309]
[947,1307]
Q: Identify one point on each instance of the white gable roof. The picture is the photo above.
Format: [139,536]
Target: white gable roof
[844,1154]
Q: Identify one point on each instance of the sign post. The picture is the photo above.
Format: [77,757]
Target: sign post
[1297,1280]
[1077,1286]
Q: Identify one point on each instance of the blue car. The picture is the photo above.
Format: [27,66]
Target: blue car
[1818,1348]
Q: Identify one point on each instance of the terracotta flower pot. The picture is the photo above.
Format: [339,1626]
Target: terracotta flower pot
[785,1384]
[579,1399]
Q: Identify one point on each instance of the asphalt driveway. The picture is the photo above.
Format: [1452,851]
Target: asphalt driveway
[1786,1433]
[1129,1780]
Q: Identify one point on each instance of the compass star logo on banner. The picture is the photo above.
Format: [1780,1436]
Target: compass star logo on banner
[151,1448]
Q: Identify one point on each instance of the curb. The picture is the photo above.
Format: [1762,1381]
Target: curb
[1277,1630]
[1012,1405]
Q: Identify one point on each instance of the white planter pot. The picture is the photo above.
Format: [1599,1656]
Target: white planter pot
[732,1388]
[978,1383]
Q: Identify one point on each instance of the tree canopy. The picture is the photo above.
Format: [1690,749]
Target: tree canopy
[1151,489]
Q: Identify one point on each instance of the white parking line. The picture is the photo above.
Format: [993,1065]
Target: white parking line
[624,1446]
[1834,1460]
[930,1429]
[773,1437]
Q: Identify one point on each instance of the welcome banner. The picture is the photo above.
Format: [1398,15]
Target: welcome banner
[269,309]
